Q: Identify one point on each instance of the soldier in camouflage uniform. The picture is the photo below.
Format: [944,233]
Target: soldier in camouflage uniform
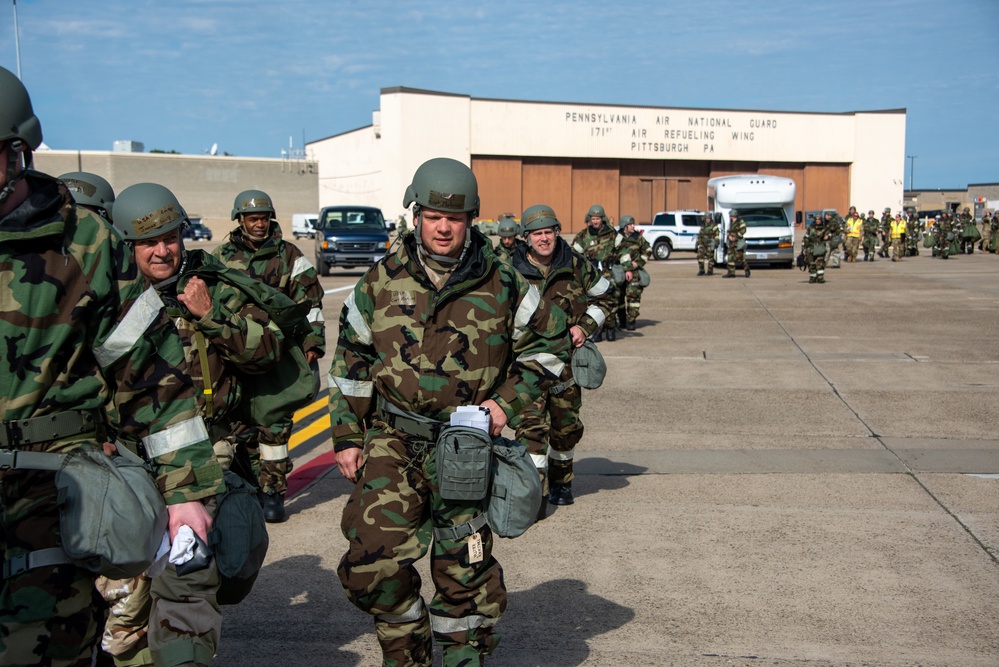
[90,191]
[834,225]
[945,236]
[77,340]
[994,233]
[707,241]
[601,244]
[969,232]
[566,279]
[735,245]
[635,253]
[439,324]
[508,241]
[256,246]
[815,246]
[870,236]
[884,229]
[913,234]
[986,234]
[219,326]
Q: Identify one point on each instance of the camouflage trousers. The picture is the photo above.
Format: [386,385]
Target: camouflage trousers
[816,266]
[550,429]
[388,522]
[612,320]
[897,249]
[166,621]
[631,299]
[851,248]
[869,244]
[735,258]
[267,448]
[49,615]
[705,253]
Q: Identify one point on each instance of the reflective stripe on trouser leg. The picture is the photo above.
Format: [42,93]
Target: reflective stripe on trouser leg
[405,638]
[387,530]
[566,432]
[464,641]
[274,462]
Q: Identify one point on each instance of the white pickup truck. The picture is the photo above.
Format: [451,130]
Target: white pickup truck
[672,230]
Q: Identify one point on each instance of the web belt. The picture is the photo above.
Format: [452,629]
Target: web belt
[21,432]
[408,422]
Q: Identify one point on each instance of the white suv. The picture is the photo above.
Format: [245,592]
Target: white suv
[672,230]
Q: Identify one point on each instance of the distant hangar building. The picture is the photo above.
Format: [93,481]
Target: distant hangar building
[632,160]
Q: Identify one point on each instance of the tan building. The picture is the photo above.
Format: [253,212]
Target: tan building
[206,185]
[632,160]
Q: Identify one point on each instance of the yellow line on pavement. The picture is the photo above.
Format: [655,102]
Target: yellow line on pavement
[310,408]
[315,428]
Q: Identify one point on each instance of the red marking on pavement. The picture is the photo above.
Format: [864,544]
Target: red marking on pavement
[310,472]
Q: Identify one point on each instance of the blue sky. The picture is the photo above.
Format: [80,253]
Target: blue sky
[185,74]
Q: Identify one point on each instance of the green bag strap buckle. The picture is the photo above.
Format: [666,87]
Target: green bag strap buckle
[33,559]
[561,386]
[461,531]
[20,432]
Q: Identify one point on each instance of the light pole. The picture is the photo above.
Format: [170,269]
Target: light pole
[912,166]
[17,41]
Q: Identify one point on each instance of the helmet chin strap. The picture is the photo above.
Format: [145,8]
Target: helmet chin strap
[13,173]
[446,260]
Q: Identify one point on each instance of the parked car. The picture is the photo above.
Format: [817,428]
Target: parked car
[349,237]
[196,231]
[672,230]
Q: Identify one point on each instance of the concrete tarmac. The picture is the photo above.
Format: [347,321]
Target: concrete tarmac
[774,473]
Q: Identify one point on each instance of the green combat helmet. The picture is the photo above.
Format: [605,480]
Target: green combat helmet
[252,201]
[508,227]
[539,216]
[147,210]
[442,184]
[596,209]
[625,221]
[18,125]
[90,190]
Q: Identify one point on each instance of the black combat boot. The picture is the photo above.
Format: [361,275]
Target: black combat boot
[700,271]
[612,334]
[561,494]
[631,326]
[274,508]
[747,271]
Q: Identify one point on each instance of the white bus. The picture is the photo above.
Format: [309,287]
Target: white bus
[766,204]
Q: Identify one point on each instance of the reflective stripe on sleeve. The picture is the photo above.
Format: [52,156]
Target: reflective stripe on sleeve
[354,388]
[273,452]
[540,461]
[315,315]
[301,265]
[143,313]
[356,320]
[599,287]
[525,311]
[176,437]
[551,363]
[596,314]
[626,258]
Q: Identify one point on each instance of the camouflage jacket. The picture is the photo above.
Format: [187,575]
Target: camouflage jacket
[708,235]
[82,329]
[506,254]
[573,284]
[870,227]
[282,266]
[885,227]
[601,246]
[736,231]
[487,334]
[235,336]
[635,251]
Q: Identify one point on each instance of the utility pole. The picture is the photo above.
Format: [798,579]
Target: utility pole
[912,166]
[17,41]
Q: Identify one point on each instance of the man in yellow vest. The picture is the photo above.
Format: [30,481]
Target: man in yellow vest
[854,228]
[898,238]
